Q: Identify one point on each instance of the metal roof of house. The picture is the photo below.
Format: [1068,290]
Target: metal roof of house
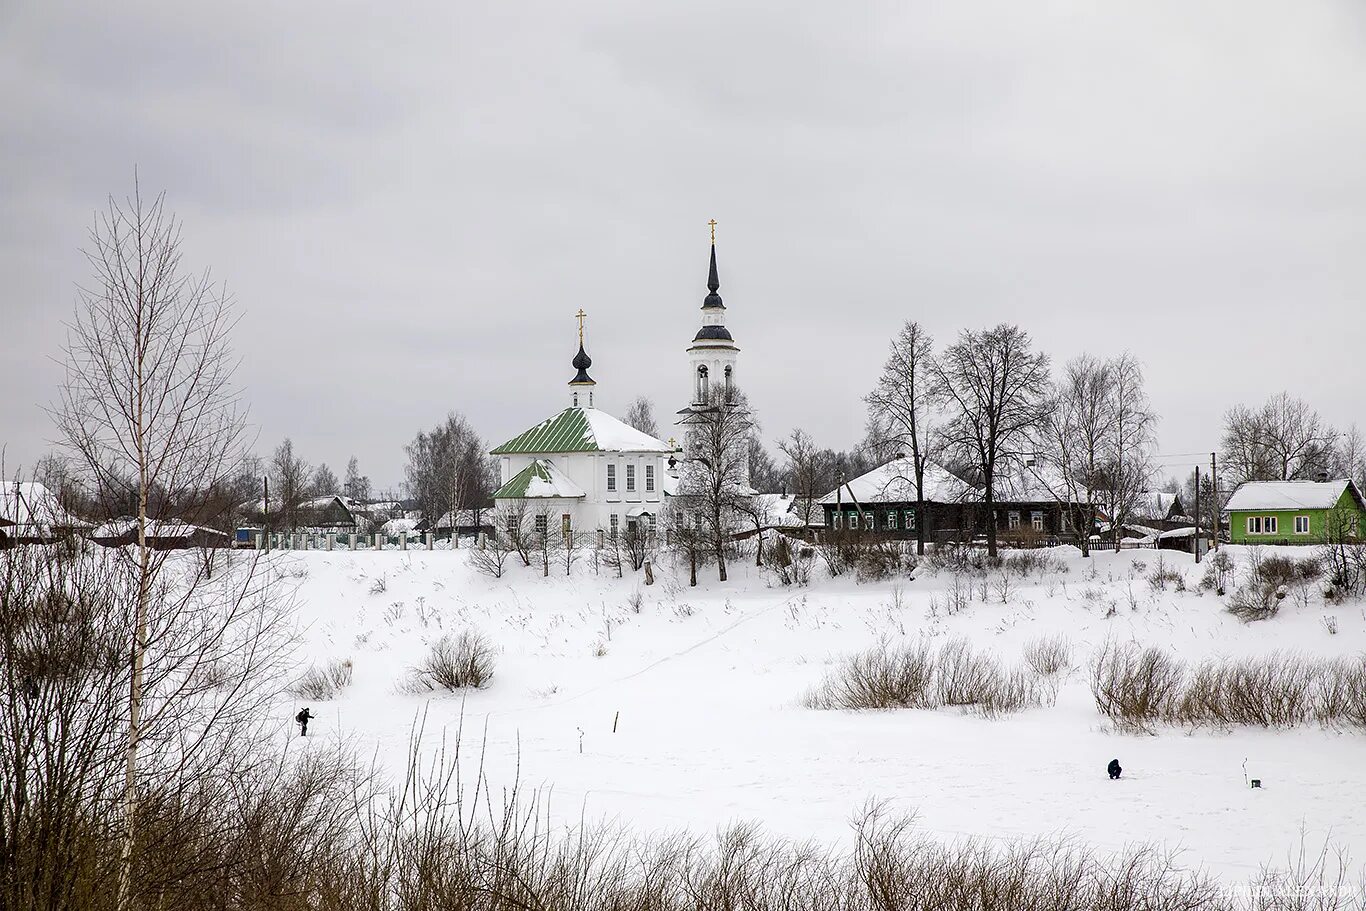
[539,480]
[1253,495]
[581,430]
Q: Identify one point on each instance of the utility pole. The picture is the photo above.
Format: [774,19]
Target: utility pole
[1197,513]
[265,506]
[1214,495]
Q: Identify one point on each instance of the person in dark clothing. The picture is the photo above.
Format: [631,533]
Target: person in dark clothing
[303,718]
[1114,769]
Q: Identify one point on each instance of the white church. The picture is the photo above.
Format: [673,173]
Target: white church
[585,470]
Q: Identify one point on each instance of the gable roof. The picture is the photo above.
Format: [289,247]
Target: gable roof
[31,505]
[894,482]
[581,430]
[539,480]
[1252,495]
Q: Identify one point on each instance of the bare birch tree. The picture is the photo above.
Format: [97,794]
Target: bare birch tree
[995,389]
[903,408]
[716,453]
[289,480]
[149,395]
[809,470]
[640,414]
[1132,439]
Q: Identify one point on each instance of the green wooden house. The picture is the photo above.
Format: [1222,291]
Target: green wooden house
[1295,512]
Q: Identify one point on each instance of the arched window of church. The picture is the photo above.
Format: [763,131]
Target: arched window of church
[702,383]
[728,386]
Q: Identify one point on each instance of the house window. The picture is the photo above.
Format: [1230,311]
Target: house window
[512,524]
[1254,525]
[868,520]
[565,526]
[1269,524]
[649,479]
[611,477]
[1012,520]
[541,525]
[837,520]
[650,524]
[851,521]
[908,518]
[630,478]
[1036,520]
[1301,525]
[890,520]
[615,524]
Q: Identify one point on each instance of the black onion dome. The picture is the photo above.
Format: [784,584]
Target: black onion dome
[713,283]
[713,332]
[581,363]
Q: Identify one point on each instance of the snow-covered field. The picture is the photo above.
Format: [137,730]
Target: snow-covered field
[705,687]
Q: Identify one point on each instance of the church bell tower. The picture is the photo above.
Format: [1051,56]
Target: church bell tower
[712,354]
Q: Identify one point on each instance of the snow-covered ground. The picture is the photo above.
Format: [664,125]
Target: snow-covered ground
[705,685]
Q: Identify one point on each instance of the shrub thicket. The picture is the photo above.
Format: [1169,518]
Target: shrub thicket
[455,662]
[1140,688]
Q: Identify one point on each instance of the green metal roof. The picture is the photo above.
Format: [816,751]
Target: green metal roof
[568,431]
[544,478]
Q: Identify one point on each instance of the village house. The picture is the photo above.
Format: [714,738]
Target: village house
[1295,512]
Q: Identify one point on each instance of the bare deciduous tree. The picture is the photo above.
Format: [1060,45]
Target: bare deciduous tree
[809,471]
[289,487]
[149,395]
[713,481]
[357,485]
[324,483]
[995,389]
[903,408]
[640,414]
[1284,440]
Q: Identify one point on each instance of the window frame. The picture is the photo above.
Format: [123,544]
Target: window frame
[889,522]
[630,477]
[649,477]
[1303,519]
[1013,520]
[1271,524]
[611,477]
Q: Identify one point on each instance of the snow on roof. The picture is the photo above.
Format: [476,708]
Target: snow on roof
[895,483]
[31,505]
[1289,495]
[539,480]
[581,430]
[156,528]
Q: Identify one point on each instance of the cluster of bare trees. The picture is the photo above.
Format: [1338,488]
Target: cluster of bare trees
[1286,440]
[448,470]
[1100,431]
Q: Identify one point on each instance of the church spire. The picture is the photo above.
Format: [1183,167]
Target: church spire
[713,300]
[581,363]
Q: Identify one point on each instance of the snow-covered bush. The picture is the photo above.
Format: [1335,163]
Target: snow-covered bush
[1218,572]
[490,557]
[1048,655]
[454,662]
[320,683]
[1137,688]
[915,676]
[1256,599]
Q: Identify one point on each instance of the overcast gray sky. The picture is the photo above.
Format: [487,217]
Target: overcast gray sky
[409,202]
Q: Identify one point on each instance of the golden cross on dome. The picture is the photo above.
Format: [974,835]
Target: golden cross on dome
[712,223]
[580,315]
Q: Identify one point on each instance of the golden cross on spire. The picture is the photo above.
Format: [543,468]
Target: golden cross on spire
[581,315]
[713,231]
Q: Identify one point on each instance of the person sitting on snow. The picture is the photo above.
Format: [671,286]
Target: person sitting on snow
[1114,769]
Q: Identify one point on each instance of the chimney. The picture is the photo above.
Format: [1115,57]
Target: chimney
[1321,476]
